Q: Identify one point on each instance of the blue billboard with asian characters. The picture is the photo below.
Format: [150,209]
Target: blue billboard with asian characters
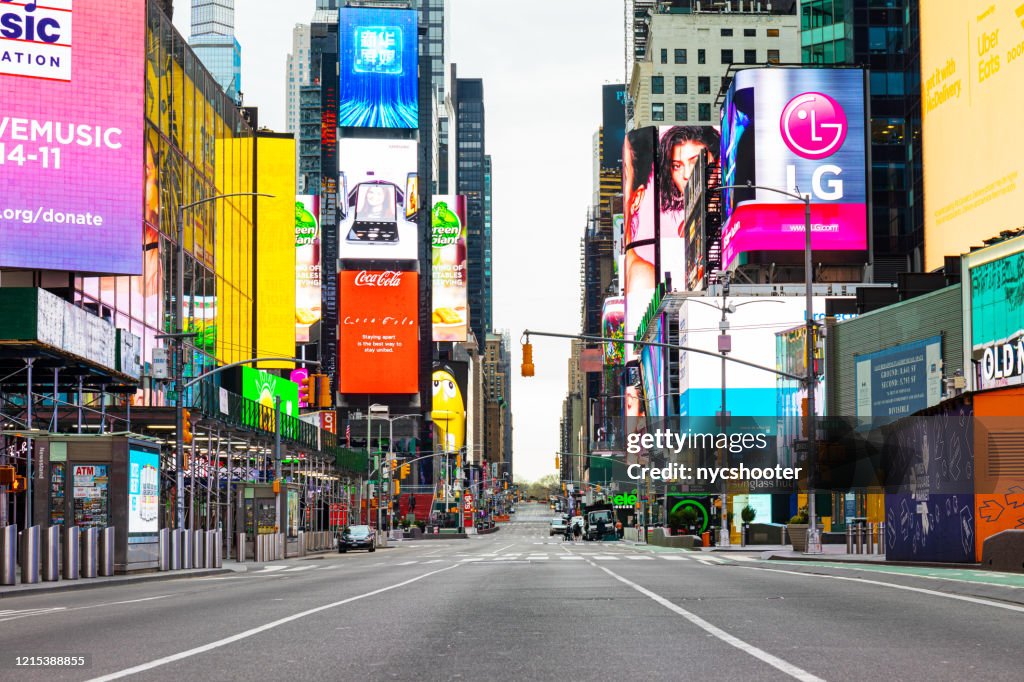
[378,85]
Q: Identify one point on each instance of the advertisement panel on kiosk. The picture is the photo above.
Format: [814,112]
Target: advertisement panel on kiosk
[378,67]
[800,131]
[72,170]
[971,74]
[378,336]
[448,268]
[143,493]
[377,203]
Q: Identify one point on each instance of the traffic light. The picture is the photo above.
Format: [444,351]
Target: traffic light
[307,389]
[7,475]
[19,485]
[186,426]
[397,488]
[394,465]
[323,394]
[506,485]
[527,369]
[406,470]
[558,462]
[598,488]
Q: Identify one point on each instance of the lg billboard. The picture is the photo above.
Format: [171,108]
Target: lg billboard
[378,68]
[71,135]
[800,131]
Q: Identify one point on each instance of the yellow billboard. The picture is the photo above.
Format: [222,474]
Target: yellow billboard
[972,88]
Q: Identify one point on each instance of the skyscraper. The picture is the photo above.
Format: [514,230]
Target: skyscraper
[471,175]
[883,38]
[298,74]
[213,40]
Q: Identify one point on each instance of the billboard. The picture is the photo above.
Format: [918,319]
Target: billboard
[263,387]
[613,122]
[899,381]
[307,265]
[378,66]
[613,318]
[971,72]
[800,131]
[71,165]
[378,200]
[448,268]
[993,298]
[449,409]
[378,332]
[652,366]
[639,228]
[143,491]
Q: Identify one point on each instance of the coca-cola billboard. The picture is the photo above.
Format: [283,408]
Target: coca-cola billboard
[378,332]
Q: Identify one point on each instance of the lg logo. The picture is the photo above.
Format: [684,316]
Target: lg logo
[813,125]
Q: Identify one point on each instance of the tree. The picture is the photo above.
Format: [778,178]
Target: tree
[541,488]
[748,514]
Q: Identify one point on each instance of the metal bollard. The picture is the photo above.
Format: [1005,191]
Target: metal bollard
[163,549]
[30,556]
[849,539]
[175,549]
[240,553]
[302,543]
[186,549]
[881,537]
[210,549]
[198,546]
[72,552]
[280,545]
[89,538]
[218,549]
[106,551]
[261,548]
[8,554]
[51,554]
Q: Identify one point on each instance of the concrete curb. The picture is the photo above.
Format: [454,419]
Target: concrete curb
[877,562]
[117,581]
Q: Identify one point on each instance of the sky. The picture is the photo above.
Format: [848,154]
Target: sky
[543,63]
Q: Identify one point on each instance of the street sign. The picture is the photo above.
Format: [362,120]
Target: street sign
[160,363]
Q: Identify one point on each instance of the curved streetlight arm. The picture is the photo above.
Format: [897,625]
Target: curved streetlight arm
[247,362]
[805,198]
[187,206]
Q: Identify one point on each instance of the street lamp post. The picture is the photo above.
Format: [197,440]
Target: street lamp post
[178,338]
[810,342]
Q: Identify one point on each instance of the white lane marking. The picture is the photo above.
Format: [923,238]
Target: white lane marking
[706,563]
[433,561]
[862,567]
[504,548]
[774,661]
[537,557]
[255,631]
[267,569]
[13,615]
[604,557]
[297,569]
[674,558]
[325,568]
[739,557]
[571,558]
[908,588]
[640,558]
[406,563]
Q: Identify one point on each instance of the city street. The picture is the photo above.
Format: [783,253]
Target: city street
[519,604]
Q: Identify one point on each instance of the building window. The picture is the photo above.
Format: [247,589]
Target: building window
[703,85]
[704,111]
[749,32]
[702,57]
[680,56]
[773,33]
[664,56]
[727,56]
[680,85]
[726,32]
[726,82]
[681,113]
[750,56]
[773,56]
[657,85]
[657,111]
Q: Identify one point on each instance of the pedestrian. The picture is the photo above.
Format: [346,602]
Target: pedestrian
[577,531]
[568,532]
[619,530]
[600,529]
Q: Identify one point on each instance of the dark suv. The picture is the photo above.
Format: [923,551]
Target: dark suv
[356,537]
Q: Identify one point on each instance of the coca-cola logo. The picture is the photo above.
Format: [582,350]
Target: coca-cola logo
[388,278]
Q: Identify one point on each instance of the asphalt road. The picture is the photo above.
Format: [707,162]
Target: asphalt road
[518,605]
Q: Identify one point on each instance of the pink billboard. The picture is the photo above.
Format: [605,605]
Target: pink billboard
[72,82]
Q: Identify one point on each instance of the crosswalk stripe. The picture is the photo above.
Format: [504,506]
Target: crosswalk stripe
[742,558]
[712,559]
[640,558]
[325,568]
[674,558]
[605,557]
[570,557]
[706,562]
[296,569]
[267,569]
[534,557]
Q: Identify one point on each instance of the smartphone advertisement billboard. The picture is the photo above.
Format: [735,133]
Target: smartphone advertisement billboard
[800,131]
[378,200]
[971,75]
[143,491]
[72,76]
[307,265]
[448,269]
[378,58]
[378,331]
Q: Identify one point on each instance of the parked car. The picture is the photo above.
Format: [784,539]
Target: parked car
[557,526]
[356,537]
